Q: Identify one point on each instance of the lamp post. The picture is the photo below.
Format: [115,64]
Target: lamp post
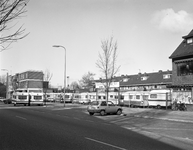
[7,83]
[57,46]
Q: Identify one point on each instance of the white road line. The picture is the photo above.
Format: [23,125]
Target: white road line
[21,117]
[89,121]
[105,143]
[76,118]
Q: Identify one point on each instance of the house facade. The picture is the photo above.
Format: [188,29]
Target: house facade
[28,81]
[142,81]
[146,81]
[182,70]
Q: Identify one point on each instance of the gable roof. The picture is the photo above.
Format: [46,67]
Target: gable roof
[183,49]
[154,78]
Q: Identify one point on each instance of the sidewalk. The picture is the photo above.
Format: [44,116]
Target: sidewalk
[180,116]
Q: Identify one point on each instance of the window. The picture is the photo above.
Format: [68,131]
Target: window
[125,79]
[104,104]
[95,103]
[184,68]
[145,97]
[144,78]
[37,97]
[14,96]
[110,104]
[130,96]
[35,91]
[190,40]
[22,97]
[166,76]
[153,96]
[137,96]
[67,96]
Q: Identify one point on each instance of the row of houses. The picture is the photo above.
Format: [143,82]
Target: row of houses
[179,80]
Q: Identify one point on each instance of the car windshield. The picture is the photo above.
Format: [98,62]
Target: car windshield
[95,103]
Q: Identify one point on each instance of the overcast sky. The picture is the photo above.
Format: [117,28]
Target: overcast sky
[147,32]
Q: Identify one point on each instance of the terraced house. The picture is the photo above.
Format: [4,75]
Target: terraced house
[182,70]
[146,81]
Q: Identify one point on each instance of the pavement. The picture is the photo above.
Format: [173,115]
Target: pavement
[179,116]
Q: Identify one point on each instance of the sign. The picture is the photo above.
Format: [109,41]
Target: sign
[114,85]
[99,85]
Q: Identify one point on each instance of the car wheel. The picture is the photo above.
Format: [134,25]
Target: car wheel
[90,113]
[102,112]
[119,112]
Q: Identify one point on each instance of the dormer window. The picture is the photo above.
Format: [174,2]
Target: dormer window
[190,40]
[166,76]
[144,78]
[125,79]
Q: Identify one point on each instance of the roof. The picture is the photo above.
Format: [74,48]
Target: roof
[154,78]
[183,49]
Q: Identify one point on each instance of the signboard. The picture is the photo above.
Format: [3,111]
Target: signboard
[99,85]
[114,84]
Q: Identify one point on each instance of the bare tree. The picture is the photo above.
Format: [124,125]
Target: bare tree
[3,79]
[107,62]
[87,79]
[47,75]
[74,85]
[11,10]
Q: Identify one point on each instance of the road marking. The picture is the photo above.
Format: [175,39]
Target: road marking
[61,108]
[89,121]
[105,143]
[76,118]
[21,117]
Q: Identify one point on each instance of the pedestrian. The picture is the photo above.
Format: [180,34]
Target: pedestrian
[29,100]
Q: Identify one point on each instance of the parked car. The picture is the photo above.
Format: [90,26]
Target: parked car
[102,108]
[2,99]
[75,101]
[7,101]
[84,101]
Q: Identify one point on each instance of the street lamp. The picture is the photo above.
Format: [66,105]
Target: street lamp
[57,46]
[7,83]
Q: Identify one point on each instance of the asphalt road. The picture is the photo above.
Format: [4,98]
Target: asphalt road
[40,128]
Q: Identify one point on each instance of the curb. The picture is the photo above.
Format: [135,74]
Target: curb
[149,117]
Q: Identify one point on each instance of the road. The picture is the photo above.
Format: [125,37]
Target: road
[43,128]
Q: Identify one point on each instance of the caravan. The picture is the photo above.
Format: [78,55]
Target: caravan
[160,98]
[135,98]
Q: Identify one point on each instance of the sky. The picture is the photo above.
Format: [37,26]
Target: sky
[147,32]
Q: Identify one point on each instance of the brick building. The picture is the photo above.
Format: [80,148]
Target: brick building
[182,70]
